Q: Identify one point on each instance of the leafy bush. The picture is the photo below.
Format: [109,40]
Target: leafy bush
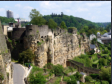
[103,61]
[25,56]
[78,76]
[94,76]
[105,74]
[58,70]
[72,81]
[66,78]
[88,78]
[105,82]
[37,79]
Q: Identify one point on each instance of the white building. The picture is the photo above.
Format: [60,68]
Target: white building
[92,36]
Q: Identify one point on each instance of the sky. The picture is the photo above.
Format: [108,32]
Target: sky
[95,11]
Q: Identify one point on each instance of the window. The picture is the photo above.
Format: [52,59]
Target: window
[41,36]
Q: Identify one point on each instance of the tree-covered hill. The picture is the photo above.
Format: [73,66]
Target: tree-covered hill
[103,24]
[5,20]
[71,21]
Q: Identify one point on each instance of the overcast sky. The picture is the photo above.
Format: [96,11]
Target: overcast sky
[95,11]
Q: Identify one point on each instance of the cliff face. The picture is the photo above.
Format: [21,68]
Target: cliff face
[5,61]
[56,47]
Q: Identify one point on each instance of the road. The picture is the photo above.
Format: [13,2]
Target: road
[18,74]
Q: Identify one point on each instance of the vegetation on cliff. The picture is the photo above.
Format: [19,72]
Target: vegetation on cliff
[25,56]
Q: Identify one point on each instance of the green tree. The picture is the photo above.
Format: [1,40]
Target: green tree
[105,74]
[94,41]
[103,62]
[58,70]
[63,25]
[37,79]
[88,78]
[52,24]
[36,18]
[25,56]
[72,81]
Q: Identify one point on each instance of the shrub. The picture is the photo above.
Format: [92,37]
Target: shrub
[88,78]
[78,76]
[37,79]
[66,78]
[58,70]
[105,82]
[94,76]
[72,81]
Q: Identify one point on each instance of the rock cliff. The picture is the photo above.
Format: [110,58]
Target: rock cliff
[57,46]
[5,61]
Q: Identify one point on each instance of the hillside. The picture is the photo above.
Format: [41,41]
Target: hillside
[103,24]
[72,21]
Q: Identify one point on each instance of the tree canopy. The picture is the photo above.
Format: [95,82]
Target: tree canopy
[26,55]
[52,24]
[36,18]
[63,25]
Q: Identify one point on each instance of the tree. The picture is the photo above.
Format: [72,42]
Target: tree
[105,74]
[36,18]
[26,55]
[58,70]
[94,41]
[37,79]
[52,24]
[88,78]
[103,62]
[72,81]
[63,25]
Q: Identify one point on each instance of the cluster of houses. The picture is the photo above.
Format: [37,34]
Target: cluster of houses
[103,39]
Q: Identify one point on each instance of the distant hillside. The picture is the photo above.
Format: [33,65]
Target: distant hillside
[103,24]
[72,21]
[5,20]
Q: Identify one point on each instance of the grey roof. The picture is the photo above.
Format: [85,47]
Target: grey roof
[92,46]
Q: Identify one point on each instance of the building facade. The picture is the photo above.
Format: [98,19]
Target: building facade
[9,14]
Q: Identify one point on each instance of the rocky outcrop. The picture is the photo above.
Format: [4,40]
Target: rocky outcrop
[5,61]
[56,47]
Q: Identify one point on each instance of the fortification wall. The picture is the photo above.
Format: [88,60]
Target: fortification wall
[34,29]
[5,58]
[43,30]
[18,33]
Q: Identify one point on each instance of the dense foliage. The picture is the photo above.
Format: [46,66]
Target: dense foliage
[36,18]
[52,24]
[63,25]
[37,79]
[105,74]
[5,20]
[103,24]
[58,70]
[108,27]
[25,56]
[70,21]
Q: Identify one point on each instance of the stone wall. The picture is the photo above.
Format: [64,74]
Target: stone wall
[5,59]
[18,33]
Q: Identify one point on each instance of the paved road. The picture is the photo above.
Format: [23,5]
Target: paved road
[18,74]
